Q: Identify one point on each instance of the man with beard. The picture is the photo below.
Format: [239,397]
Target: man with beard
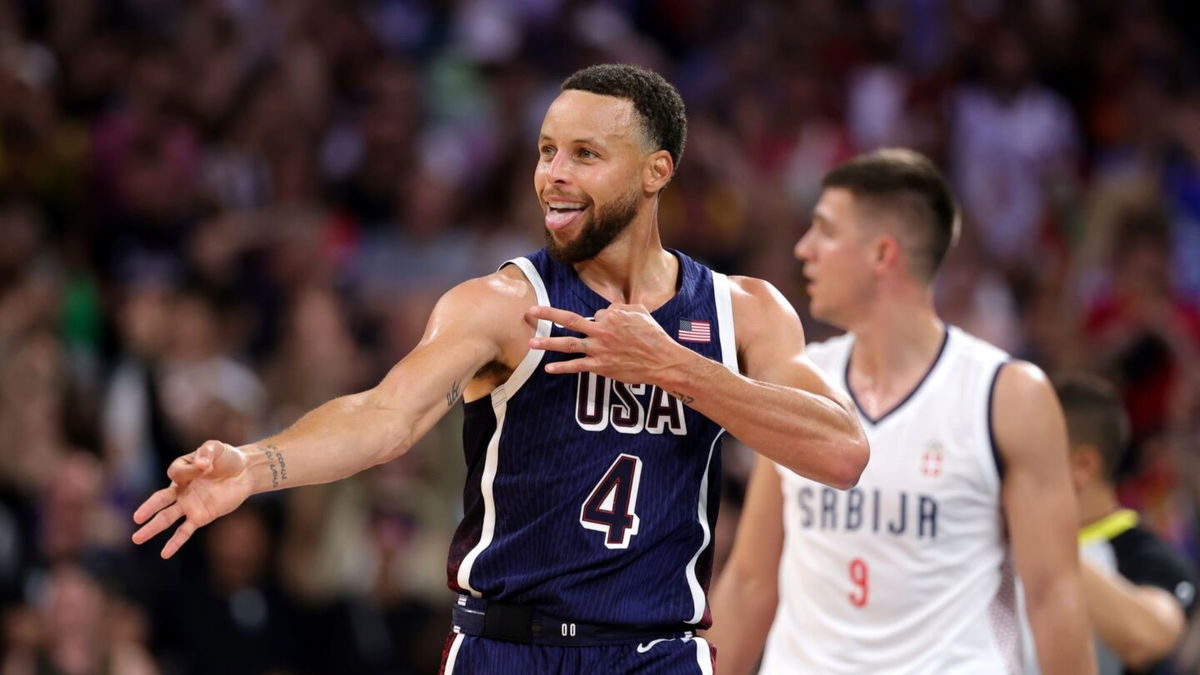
[599,375]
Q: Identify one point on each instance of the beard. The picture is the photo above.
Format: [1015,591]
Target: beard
[610,221]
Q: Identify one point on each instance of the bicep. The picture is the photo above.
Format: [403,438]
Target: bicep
[771,341]
[432,377]
[1039,501]
[465,332]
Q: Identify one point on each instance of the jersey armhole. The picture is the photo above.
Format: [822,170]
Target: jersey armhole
[997,458]
[723,297]
[529,364]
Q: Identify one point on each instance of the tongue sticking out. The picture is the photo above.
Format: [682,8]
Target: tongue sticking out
[558,219]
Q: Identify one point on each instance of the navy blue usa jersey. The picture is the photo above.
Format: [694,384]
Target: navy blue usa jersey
[592,499]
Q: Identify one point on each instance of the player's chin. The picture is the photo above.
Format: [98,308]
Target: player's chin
[819,307]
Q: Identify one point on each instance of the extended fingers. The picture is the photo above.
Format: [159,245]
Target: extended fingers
[572,366]
[155,503]
[566,345]
[177,540]
[161,521]
[568,320]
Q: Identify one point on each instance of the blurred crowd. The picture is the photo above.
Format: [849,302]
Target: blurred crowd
[217,214]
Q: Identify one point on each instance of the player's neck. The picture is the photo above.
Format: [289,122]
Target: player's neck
[634,268]
[1095,502]
[894,348]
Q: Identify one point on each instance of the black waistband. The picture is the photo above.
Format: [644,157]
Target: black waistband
[514,623]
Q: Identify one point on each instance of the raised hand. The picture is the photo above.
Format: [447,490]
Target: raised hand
[623,343]
[205,485]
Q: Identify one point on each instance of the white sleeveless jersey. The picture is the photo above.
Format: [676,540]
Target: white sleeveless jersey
[908,572]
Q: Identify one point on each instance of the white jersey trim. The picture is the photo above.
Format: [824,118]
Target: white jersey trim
[703,656]
[722,296]
[530,363]
[698,600]
[453,655]
[500,396]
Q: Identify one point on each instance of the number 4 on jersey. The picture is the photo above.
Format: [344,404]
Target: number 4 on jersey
[611,505]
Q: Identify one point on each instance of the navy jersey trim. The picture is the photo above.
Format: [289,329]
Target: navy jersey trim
[908,397]
[991,420]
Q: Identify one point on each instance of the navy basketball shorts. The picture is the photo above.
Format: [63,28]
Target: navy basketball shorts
[474,655]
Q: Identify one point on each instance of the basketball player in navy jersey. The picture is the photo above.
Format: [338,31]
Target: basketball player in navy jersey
[912,570]
[599,375]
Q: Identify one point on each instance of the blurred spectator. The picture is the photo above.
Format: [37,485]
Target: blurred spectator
[368,555]
[73,522]
[973,295]
[33,381]
[1015,151]
[317,360]
[205,391]
[139,442]
[1142,331]
[78,629]
[234,619]
[147,154]
[1138,592]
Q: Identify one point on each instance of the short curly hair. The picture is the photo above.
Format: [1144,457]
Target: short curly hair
[656,101]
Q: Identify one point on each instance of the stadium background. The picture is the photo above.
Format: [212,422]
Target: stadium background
[217,214]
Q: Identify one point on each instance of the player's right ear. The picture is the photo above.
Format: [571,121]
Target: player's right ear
[658,171]
[1085,465]
[885,252]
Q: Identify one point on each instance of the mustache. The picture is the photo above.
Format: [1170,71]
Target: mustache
[562,196]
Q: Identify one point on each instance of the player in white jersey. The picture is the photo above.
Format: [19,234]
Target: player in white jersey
[913,570]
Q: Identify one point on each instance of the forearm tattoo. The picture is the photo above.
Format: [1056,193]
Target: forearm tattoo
[278,465]
[453,395]
[687,400]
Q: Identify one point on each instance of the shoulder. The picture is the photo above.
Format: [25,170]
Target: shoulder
[1018,380]
[1026,417]
[506,284]
[767,328]
[977,349]
[754,289]
[757,304]
[496,299]
[978,361]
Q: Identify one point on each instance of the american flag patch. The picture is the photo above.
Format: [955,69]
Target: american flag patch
[695,331]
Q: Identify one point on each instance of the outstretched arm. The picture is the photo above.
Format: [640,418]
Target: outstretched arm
[782,406]
[350,433]
[1039,505]
[747,593]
